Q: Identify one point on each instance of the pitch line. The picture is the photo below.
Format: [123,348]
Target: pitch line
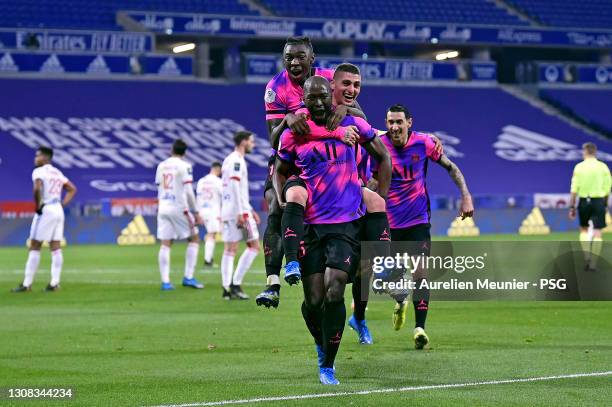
[388,390]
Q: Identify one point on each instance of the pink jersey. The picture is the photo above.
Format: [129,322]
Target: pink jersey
[284,96]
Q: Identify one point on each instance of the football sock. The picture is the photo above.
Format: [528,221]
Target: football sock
[164,263]
[244,263]
[191,259]
[273,246]
[313,318]
[209,250]
[57,261]
[227,269]
[334,316]
[358,295]
[292,225]
[420,301]
[31,267]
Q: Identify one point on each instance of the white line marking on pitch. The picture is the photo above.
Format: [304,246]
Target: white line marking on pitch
[388,390]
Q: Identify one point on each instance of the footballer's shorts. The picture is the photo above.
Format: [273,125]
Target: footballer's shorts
[333,245]
[268,184]
[592,209]
[49,226]
[416,233]
[212,223]
[175,225]
[293,181]
[232,233]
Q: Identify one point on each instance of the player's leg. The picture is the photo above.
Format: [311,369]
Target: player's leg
[231,236]
[360,292]
[166,234]
[598,217]
[57,262]
[584,216]
[420,294]
[292,225]
[246,259]
[213,226]
[189,230]
[38,230]
[273,252]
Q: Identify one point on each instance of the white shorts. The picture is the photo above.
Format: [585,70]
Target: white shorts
[175,225]
[49,226]
[212,223]
[232,233]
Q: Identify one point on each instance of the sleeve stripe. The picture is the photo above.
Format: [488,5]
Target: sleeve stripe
[236,178]
[187,182]
[277,111]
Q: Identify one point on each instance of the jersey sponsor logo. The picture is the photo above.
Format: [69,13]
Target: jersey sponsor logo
[270,96]
[519,144]
[236,166]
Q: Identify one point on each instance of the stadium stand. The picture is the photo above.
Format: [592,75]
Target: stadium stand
[441,11]
[592,105]
[568,13]
[100,14]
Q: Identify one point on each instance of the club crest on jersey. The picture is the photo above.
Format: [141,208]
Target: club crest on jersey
[236,166]
[270,96]
[415,157]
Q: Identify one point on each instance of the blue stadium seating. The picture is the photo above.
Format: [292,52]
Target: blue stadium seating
[439,11]
[100,14]
[592,105]
[569,13]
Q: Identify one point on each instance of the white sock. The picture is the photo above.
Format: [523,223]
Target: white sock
[191,259]
[31,267]
[164,263]
[244,263]
[57,261]
[227,269]
[209,250]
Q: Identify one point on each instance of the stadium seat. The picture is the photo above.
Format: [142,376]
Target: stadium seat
[568,13]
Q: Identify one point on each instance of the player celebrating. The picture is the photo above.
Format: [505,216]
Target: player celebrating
[328,167]
[177,214]
[591,182]
[239,219]
[48,223]
[408,202]
[283,97]
[209,196]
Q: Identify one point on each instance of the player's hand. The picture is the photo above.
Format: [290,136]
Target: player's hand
[467,207]
[336,118]
[256,217]
[198,219]
[438,144]
[241,220]
[297,124]
[572,213]
[351,135]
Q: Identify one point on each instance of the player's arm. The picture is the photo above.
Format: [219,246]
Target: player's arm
[341,112]
[379,152]
[70,193]
[467,207]
[297,124]
[438,144]
[573,194]
[37,191]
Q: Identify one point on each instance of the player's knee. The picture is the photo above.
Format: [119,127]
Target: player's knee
[314,300]
[373,201]
[254,245]
[297,195]
[55,245]
[334,291]
[35,245]
[194,239]
[273,206]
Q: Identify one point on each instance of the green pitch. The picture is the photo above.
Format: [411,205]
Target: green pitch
[115,339]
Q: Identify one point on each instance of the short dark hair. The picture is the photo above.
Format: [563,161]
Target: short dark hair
[179,147]
[215,164]
[398,107]
[299,40]
[240,136]
[47,151]
[590,148]
[347,67]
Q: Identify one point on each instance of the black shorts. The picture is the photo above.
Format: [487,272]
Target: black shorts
[293,181]
[416,233]
[592,209]
[268,184]
[331,245]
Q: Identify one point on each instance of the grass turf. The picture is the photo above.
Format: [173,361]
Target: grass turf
[114,338]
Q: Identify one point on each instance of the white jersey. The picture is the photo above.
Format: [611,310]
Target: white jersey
[209,194]
[173,176]
[235,170]
[53,182]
